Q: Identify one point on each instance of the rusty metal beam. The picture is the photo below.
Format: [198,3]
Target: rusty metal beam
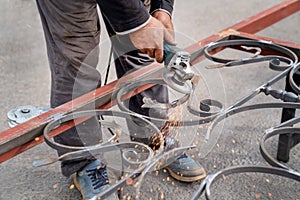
[22,137]
[268,17]
[255,23]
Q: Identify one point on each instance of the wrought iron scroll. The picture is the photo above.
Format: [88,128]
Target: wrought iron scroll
[287,63]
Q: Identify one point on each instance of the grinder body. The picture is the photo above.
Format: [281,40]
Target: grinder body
[178,69]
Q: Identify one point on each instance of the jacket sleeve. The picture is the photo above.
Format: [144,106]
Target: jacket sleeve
[166,5]
[124,16]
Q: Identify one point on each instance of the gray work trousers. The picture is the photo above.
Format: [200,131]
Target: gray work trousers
[72,33]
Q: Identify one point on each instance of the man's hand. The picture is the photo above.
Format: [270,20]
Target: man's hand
[150,38]
[166,20]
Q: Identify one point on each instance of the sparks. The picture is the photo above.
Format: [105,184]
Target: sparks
[162,196]
[72,187]
[257,196]
[129,181]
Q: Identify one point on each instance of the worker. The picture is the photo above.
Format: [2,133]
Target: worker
[72,33]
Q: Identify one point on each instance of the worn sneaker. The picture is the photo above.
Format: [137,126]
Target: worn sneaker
[186,169]
[92,180]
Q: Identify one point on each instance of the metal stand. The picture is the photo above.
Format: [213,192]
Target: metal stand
[287,141]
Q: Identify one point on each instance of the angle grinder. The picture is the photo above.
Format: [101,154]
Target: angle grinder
[179,72]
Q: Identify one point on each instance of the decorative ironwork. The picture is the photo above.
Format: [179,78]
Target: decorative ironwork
[287,62]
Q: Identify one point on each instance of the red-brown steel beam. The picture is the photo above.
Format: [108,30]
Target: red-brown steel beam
[256,22]
[266,18]
[13,140]
[11,143]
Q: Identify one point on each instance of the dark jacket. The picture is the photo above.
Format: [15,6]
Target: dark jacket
[124,15]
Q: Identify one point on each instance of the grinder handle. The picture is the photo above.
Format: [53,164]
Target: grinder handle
[169,52]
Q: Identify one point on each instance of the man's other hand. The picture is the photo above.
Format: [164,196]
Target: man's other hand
[150,38]
[165,19]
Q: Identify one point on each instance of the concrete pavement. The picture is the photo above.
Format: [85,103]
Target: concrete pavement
[25,80]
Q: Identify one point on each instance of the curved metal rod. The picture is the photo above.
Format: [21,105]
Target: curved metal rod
[205,108]
[261,88]
[272,161]
[244,169]
[149,104]
[201,188]
[77,152]
[237,110]
[205,104]
[96,149]
[295,70]
[130,87]
[274,60]
[92,113]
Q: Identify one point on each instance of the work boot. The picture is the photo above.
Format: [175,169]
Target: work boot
[186,169]
[92,180]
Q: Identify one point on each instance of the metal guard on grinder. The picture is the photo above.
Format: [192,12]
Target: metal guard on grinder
[177,63]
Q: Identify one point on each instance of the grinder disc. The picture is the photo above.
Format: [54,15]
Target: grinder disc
[184,88]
